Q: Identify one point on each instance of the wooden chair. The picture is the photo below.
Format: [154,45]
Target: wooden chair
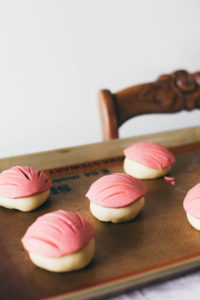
[168,94]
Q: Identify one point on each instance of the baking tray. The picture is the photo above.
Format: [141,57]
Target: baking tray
[158,244]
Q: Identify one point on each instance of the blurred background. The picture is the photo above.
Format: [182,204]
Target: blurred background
[55,55]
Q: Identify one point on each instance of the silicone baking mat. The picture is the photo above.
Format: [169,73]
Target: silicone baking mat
[159,241]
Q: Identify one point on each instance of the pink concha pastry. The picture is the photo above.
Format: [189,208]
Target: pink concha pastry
[191,205]
[23,188]
[60,241]
[147,160]
[116,198]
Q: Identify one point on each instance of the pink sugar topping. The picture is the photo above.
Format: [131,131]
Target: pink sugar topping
[191,202]
[21,182]
[167,178]
[116,190]
[150,154]
[171,180]
[57,234]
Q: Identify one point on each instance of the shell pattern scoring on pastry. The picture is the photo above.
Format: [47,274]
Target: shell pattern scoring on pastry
[116,190]
[21,182]
[150,154]
[57,234]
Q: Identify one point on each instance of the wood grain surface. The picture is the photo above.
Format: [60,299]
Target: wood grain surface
[159,242]
[102,150]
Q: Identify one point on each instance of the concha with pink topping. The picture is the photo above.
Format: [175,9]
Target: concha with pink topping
[116,198]
[24,188]
[147,160]
[60,241]
[191,205]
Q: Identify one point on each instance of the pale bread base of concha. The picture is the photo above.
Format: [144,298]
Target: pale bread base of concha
[67,263]
[117,215]
[193,221]
[25,204]
[141,171]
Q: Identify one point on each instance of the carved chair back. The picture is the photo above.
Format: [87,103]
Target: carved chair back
[168,94]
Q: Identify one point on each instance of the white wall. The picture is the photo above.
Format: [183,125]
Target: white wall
[55,55]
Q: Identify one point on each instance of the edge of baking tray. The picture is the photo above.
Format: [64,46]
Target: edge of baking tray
[129,282]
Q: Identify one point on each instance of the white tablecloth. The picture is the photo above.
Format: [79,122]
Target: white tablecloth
[183,288]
